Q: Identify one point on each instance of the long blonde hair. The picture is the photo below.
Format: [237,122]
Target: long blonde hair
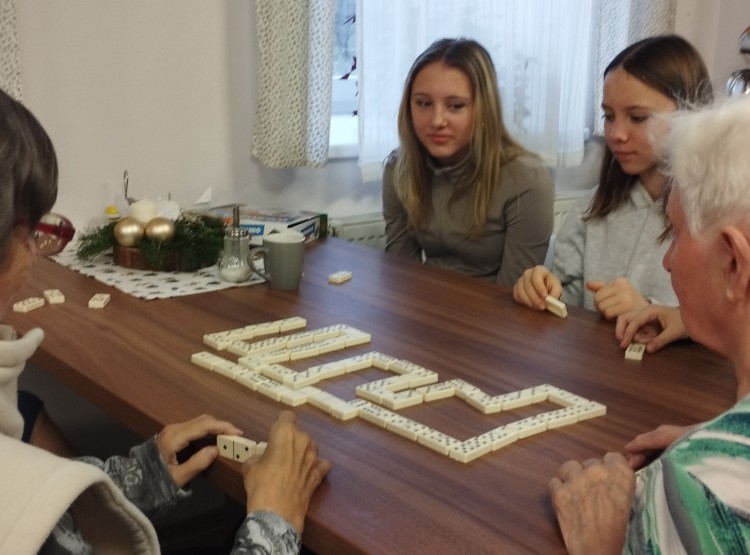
[491,146]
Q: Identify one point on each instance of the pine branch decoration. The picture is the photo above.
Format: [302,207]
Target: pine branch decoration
[197,242]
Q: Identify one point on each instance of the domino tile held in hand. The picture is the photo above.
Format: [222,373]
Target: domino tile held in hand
[635,351]
[556,306]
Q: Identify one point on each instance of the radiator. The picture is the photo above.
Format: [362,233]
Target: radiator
[369,229]
[365,229]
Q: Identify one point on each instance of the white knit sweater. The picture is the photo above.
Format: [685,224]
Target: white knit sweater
[38,488]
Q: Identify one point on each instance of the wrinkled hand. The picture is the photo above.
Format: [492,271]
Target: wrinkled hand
[592,501]
[176,437]
[612,298]
[655,326]
[647,446]
[534,285]
[285,477]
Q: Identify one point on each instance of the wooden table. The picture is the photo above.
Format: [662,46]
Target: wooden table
[385,493]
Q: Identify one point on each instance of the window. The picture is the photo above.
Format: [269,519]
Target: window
[541,50]
[343,137]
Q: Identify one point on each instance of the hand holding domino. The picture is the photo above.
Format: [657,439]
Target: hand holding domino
[285,478]
[535,286]
[174,439]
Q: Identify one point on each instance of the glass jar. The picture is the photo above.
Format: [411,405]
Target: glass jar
[233,264]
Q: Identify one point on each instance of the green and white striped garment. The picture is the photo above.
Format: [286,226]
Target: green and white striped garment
[696,497]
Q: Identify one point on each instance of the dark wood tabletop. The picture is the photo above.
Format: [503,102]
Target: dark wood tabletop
[385,494]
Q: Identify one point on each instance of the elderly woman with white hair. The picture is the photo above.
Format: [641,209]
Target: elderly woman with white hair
[694,497]
[56,505]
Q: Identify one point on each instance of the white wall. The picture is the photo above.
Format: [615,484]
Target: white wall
[166,89]
[715,28]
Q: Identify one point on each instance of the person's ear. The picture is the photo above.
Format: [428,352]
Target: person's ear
[735,248]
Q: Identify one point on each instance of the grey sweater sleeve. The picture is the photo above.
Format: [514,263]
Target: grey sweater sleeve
[570,243]
[399,240]
[143,477]
[529,217]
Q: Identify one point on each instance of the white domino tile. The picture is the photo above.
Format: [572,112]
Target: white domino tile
[53,296]
[470,449]
[501,436]
[259,368]
[27,305]
[406,427]
[437,441]
[100,300]
[635,351]
[293,323]
[344,411]
[230,369]
[402,399]
[437,391]
[531,426]
[561,417]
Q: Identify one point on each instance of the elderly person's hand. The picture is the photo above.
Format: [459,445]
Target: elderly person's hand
[647,446]
[534,285]
[176,437]
[592,502]
[285,477]
[655,326]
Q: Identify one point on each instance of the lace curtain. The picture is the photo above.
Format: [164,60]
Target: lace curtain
[295,65]
[542,55]
[10,72]
[541,49]
[619,24]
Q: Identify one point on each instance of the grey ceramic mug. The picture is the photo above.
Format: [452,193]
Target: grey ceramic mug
[283,256]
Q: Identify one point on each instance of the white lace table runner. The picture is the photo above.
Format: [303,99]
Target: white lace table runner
[148,284]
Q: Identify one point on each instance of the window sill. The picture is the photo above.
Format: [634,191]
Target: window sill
[344,138]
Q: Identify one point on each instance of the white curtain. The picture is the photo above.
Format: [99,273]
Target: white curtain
[619,24]
[10,72]
[295,64]
[541,50]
